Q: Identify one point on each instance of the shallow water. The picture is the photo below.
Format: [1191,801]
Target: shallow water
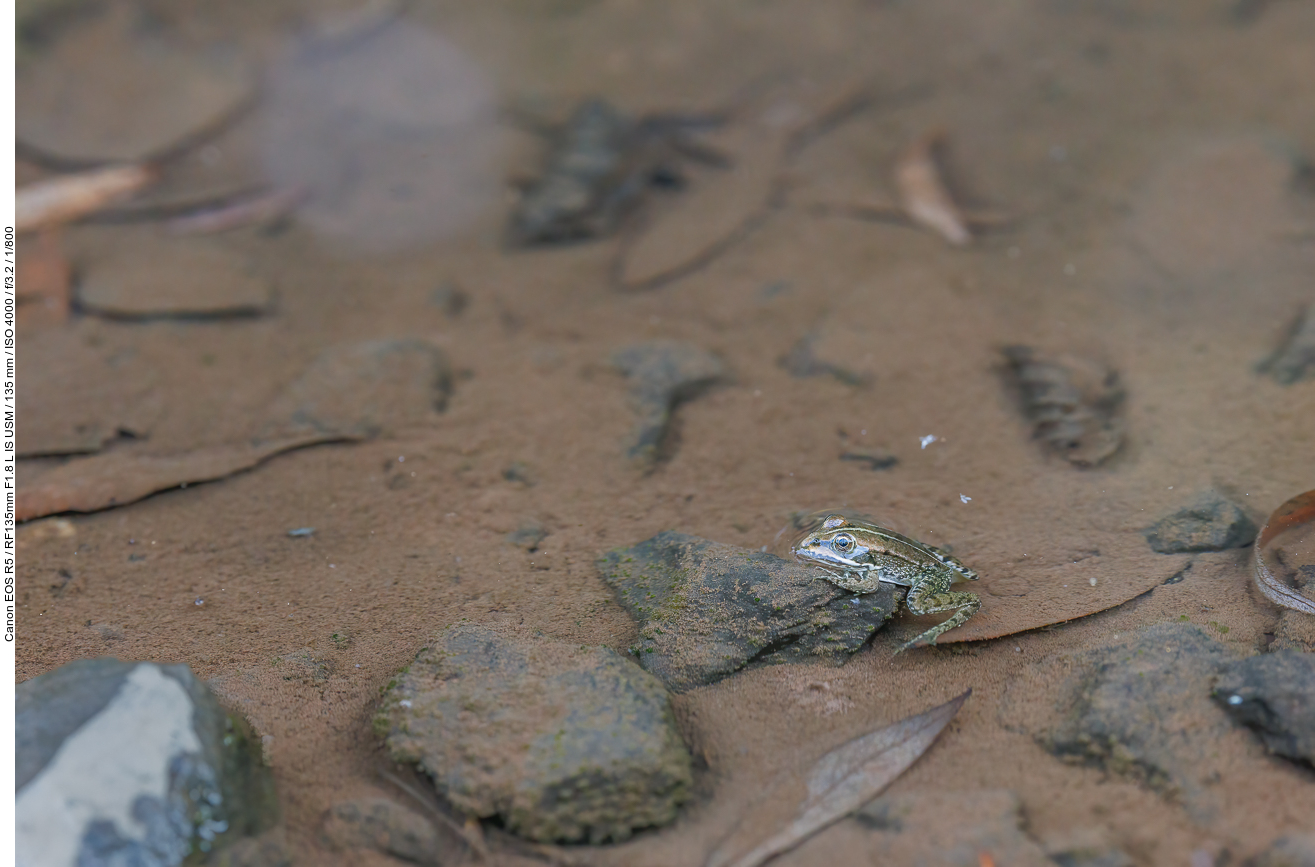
[1147,166]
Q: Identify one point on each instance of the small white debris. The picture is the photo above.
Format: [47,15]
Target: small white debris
[1235,700]
[406,702]
[200,601]
[928,440]
[964,498]
[1092,580]
[1018,649]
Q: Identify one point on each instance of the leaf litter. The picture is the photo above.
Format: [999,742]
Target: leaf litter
[1296,512]
[763,141]
[838,784]
[1075,404]
[119,478]
[924,197]
[405,383]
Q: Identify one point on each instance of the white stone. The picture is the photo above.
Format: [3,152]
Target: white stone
[118,755]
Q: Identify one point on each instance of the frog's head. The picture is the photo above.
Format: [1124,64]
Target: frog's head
[834,546]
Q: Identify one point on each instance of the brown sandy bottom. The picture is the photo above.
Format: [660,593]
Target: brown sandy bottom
[1147,154]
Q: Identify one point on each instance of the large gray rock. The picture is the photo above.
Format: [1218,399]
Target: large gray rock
[706,610]
[1274,694]
[1142,709]
[131,763]
[562,742]
[1210,523]
[662,374]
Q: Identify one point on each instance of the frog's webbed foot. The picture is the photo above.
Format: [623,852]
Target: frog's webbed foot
[925,601]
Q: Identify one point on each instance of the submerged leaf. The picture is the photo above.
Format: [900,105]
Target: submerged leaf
[844,780]
[1294,513]
[118,478]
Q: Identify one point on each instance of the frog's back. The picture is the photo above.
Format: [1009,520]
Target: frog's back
[914,551]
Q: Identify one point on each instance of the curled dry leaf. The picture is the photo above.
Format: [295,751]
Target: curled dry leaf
[840,782]
[64,199]
[1296,512]
[922,193]
[115,479]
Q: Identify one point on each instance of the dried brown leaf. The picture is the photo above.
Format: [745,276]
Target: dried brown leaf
[922,193]
[1296,512]
[842,781]
[66,198]
[118,478]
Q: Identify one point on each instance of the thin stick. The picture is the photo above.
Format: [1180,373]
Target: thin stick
[470,832]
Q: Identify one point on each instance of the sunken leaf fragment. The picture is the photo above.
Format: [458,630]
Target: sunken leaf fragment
[118,478]
[662,374]
[1074,404]
[1294,360]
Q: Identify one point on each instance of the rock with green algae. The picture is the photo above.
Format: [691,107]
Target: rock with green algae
[563,743]
[706,610]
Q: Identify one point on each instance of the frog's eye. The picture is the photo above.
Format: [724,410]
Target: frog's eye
[843,542]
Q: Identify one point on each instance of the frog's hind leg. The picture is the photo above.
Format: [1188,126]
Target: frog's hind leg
[925,600]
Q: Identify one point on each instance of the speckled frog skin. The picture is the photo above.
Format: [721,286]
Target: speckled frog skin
[859,556]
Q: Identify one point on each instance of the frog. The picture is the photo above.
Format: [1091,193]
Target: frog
[859,556]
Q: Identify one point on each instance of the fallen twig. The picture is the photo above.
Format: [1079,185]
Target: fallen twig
[265,207]
[470,831]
